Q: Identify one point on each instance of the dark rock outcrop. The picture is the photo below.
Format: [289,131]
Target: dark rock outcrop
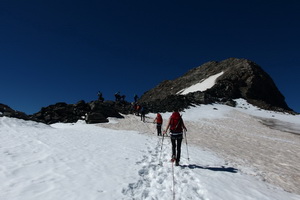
[93,112]
[241,78]
[9,112]
[100,111]
[61,112]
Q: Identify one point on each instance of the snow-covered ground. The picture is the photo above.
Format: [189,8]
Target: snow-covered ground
[233,155]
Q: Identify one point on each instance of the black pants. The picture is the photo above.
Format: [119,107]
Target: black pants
[158,127]
[176,146]
[143,117]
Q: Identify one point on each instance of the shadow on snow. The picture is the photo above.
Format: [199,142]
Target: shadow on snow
[217,169]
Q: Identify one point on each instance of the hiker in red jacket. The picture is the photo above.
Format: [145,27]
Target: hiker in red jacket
[176,126]
[158,120]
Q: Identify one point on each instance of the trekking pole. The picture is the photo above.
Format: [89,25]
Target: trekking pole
[187,150]
[162,143]
[173,192]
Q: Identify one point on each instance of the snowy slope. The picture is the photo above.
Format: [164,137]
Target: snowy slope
[202,86]
[80,161]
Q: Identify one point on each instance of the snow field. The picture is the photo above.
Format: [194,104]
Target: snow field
[121,160]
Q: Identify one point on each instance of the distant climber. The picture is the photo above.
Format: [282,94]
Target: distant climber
[117,96]
[136,97]
[100,97]
[158,120]
[143,113]
[137,109]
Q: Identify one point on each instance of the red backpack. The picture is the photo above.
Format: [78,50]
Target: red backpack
[159,119]
[176,123]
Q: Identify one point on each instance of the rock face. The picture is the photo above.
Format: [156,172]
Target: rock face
[240,78]
[9,112]
[93,112]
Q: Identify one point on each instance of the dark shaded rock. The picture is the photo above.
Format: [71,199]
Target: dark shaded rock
[100,111]
[9,112]
[59,112]
[93,118]
[123,107]
[172,102]
[93,112]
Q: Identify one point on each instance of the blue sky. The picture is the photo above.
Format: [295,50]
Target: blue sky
[66,51]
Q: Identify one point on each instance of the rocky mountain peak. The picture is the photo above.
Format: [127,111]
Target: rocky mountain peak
[234,78]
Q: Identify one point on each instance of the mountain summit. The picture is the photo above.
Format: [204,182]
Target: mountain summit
[219,82]
[212,82]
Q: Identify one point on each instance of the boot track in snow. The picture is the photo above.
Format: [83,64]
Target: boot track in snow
[160,181]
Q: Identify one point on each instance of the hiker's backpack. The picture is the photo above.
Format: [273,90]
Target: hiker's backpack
[159,119]
[176,123]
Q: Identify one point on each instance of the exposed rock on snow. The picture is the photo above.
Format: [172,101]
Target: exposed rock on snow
[93,112]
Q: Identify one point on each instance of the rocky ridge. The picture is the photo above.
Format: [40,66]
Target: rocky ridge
[92,112]
[240,78]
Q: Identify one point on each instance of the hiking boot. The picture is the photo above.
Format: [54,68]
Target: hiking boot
[173,159]
[177,164]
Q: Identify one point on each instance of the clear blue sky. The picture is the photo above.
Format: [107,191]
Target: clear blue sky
[68,50]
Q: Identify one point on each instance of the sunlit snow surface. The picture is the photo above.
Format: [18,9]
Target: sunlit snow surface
[83,162]
[202,86]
